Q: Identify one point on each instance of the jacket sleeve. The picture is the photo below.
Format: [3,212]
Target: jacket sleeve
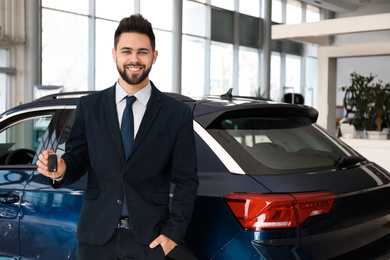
[184,176]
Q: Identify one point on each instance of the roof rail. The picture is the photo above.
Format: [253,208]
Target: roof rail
[65,95]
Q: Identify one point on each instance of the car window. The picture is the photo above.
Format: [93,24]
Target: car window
[263,145]
[65,132]
[20,140]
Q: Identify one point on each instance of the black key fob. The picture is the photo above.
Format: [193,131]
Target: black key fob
[52,163]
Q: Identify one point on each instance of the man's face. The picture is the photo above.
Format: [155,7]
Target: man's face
[134,58]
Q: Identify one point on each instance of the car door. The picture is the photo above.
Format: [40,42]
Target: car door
[19,139]
[51,215]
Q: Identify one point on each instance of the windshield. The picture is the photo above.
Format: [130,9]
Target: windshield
[272,145]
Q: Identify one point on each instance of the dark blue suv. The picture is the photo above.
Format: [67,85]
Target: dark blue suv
[273,185]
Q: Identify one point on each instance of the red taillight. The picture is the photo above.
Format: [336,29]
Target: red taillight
[269,211]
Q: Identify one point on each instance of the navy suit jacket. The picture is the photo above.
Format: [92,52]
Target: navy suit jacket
[163,152]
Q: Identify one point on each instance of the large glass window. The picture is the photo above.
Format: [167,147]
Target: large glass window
[105,69]
[161,73]
[312,13]
[74,6]
[249,31]
[250,7]
[4,62]
[294,12]
[194,12]
[3,92]
[64,50]
[311,85]
[221,71]
[107,9]
[222,26]
[248,73]
[225,4]
[275,76]
[192,66]
[293,74]
[158,12]
[277,16]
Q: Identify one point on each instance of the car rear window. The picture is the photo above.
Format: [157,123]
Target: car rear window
[272,145]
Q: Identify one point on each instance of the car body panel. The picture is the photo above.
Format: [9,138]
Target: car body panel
[40,222]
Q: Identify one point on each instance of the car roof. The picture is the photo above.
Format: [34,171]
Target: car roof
[202,107]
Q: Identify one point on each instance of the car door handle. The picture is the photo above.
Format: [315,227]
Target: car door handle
[8,199]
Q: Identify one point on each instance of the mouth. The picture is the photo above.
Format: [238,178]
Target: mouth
[134,68]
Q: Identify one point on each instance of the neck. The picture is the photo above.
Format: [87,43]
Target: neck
[132,89]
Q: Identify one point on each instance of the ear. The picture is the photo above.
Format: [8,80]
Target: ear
[114,54]
[155,54]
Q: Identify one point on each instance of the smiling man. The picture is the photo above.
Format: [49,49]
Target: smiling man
[133,141]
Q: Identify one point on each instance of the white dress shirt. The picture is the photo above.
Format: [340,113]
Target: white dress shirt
[139,105]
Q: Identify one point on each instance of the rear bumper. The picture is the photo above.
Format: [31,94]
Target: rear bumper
[242,247]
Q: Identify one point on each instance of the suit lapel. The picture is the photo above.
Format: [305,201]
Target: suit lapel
[152,109]
[112,120]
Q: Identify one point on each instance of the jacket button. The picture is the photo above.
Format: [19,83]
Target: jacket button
[119,202]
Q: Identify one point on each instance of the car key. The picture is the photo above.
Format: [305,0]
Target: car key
[52,164]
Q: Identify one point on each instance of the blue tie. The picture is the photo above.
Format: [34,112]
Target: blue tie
[127,127]
[127,131]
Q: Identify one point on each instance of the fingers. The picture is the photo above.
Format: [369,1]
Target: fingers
[43,162]
[166,244]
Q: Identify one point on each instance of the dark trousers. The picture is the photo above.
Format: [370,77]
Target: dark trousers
[122,245]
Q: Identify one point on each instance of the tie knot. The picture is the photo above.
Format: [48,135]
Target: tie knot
[130,100]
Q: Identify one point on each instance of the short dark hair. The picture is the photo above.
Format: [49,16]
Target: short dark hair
[135,23]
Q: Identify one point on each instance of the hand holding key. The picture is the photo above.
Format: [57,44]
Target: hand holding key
[50,165]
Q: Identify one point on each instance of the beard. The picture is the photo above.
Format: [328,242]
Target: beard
[134,79]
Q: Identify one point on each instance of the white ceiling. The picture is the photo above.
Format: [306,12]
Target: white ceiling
[344,5]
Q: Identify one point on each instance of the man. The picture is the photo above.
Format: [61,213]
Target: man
[125,214]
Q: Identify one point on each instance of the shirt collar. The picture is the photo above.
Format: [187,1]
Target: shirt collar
[142,95]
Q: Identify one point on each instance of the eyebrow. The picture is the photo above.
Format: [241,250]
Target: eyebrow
[131,49]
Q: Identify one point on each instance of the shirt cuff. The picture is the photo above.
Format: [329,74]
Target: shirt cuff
[59,178]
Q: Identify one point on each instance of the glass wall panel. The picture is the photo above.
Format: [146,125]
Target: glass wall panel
[158,12]
[3,92]
[194,18]
[275,77]
[294,12]
[250,7]
[311,82]
[225,4]
[4,62]
[222,26]
[221,68]
[277,11]
[293,74]
[107,9]
[193,60]
[249,31]
[106,73]
[76,6]
[248,72]
[312,13]
[64,50]
[161,73]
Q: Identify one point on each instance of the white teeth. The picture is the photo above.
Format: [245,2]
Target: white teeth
[134,69]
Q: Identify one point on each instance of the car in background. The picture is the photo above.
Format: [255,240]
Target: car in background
[273,185]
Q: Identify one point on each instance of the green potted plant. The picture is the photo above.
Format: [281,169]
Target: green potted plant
[371,100]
